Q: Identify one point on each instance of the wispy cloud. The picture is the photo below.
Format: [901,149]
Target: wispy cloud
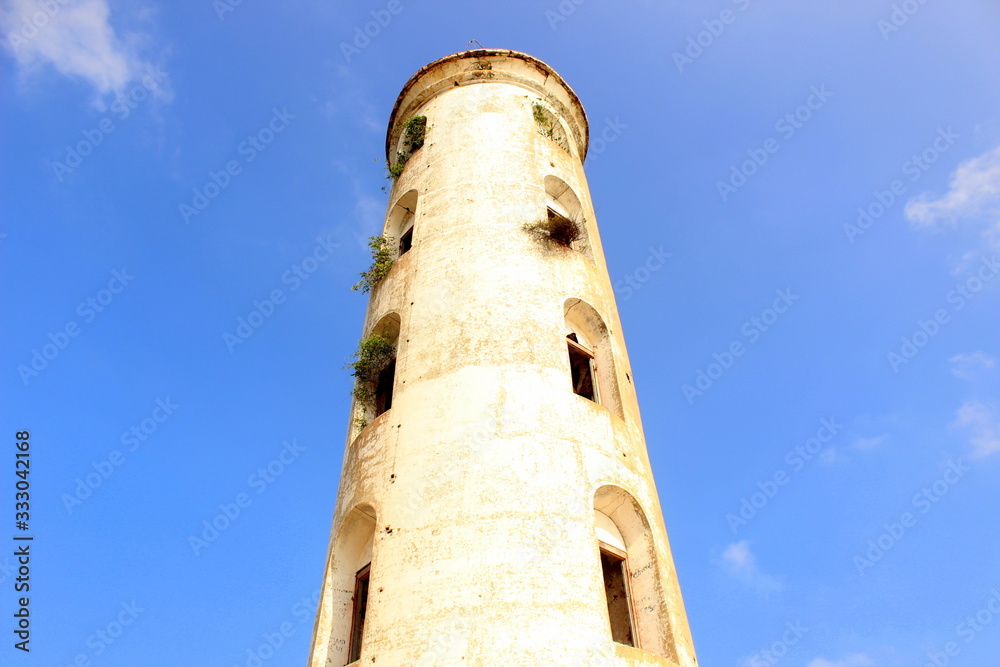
[356,104]
[974,194]
[738,561]
[975,191]
[76,39]
[348,101]
[869,443]
[832,454]
[855,660]
[369,211]
[968,366]
[983,422]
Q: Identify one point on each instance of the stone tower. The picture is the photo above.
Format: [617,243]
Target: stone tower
[496,503]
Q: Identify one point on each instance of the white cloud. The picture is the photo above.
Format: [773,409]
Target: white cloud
[983,421]
[349,100]
[832,455]
[967,366]
[739,562]
[855,660]
[975,190]
[75,38]
[869,443]
[974,194]
[829,456]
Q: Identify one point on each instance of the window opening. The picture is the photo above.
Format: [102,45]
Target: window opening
[383,389]
[406,241]
[616,591]
[360,611]
[581,364]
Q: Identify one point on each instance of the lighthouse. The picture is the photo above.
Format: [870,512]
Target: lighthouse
[496,503]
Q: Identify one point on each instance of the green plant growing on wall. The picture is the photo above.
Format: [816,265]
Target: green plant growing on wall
[545,121]
[382,248]
[396,168]
[374,354]
[413,132]
[548,125]
[556,229]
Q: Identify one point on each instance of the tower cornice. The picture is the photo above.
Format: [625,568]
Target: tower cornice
[489,66]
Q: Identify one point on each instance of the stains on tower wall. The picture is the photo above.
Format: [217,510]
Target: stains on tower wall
[484,476]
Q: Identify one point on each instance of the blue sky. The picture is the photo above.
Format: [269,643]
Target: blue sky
[170,168]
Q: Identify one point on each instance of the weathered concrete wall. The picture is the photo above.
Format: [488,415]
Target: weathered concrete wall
[483,477]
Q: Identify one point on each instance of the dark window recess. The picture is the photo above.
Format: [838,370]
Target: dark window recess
[616,591]
[360,610]
[406,241]
[581,368]
[383,390]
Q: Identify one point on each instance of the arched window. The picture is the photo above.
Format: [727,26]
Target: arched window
[345,599]
[548,124]
[591,362]
[637,611]
[614,567]
[400,223]
[388,329]
[562,204]
[375,371]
